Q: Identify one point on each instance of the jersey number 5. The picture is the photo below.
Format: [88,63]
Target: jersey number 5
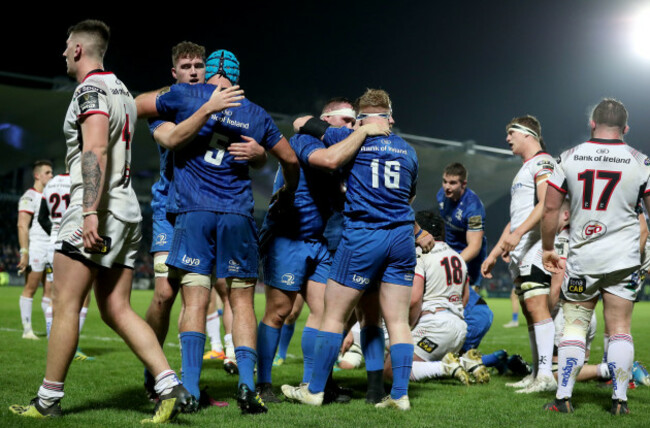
[215,153]
[587,177]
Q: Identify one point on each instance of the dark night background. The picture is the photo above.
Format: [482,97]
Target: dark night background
[455,70]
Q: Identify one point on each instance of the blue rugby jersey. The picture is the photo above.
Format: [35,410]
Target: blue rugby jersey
[380,181]
[313,196]
[466,214]
[160,188]
[206,175]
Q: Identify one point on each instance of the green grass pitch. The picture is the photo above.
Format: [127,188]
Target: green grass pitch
[108,392]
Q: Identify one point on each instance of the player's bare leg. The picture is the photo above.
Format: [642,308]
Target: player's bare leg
[213,326]
[73,280]
[287,330]
[157,316]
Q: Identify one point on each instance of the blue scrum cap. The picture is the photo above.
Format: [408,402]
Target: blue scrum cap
[225,63]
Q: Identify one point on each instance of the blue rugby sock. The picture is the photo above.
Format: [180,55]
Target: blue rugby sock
[285,339]
[490,360]
[308,341]
[401,356]
[515,316]
[327,348]
[192,345]
[372,345]
[246,360]
[267,343]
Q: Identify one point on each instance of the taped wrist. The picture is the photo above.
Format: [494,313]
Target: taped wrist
[314,127]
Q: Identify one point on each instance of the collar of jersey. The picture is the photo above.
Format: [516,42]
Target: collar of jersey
[96,71]
[605,141]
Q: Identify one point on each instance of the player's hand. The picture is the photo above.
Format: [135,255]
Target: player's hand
[282,213]
[226,98]
[347,342]
[247,150]
[93,243]
[487,265]
[23,263]
[375,129]
[506,257]
[552,262]
[425,241]
[511,241]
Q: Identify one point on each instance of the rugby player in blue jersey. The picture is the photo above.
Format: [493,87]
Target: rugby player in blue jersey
[378,246]
[212,200]
[302,236]
[464,216]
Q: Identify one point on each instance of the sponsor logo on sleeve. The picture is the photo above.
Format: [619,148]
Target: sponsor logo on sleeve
[475,222]
[546,164]
[88,101]
[593,229]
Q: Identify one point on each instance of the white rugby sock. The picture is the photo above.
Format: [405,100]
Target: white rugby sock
[26,312]
[46,302]
[50,392]
[230,347]
[165,381]
[48,321]
[82,317]
[213,328]
[603,371]
[544,338]
[620,357]
[571,358]
[605,346]
[423,370]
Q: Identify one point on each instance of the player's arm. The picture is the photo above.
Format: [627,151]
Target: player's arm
[417,294]
[24,220]
[339,154]
[474,242]
[300,122]
[465,298]
[44,217]
[289,162]
[497,251]
[644,231]
[95,129]
[533,218]
[146,103]
[175,136]
[249,150]
[550,220]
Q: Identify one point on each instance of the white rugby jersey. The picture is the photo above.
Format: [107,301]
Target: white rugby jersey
[30,203]
[445,274]
[605,179]
[523,198]
[103,93]
[56,195]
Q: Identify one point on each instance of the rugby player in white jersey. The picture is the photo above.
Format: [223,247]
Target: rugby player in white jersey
[33,247]
[100,232]
[521,240]
[440,291]
[604,178]
[54,203]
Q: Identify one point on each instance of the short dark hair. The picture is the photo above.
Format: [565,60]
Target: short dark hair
[610,112]
[187,49]
[97,30]
[42,162]
[432,223]
[456,169]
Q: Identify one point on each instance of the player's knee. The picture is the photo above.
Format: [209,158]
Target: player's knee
[531,289]
[240,283]
[576,320]
[191,279]
[160,269]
